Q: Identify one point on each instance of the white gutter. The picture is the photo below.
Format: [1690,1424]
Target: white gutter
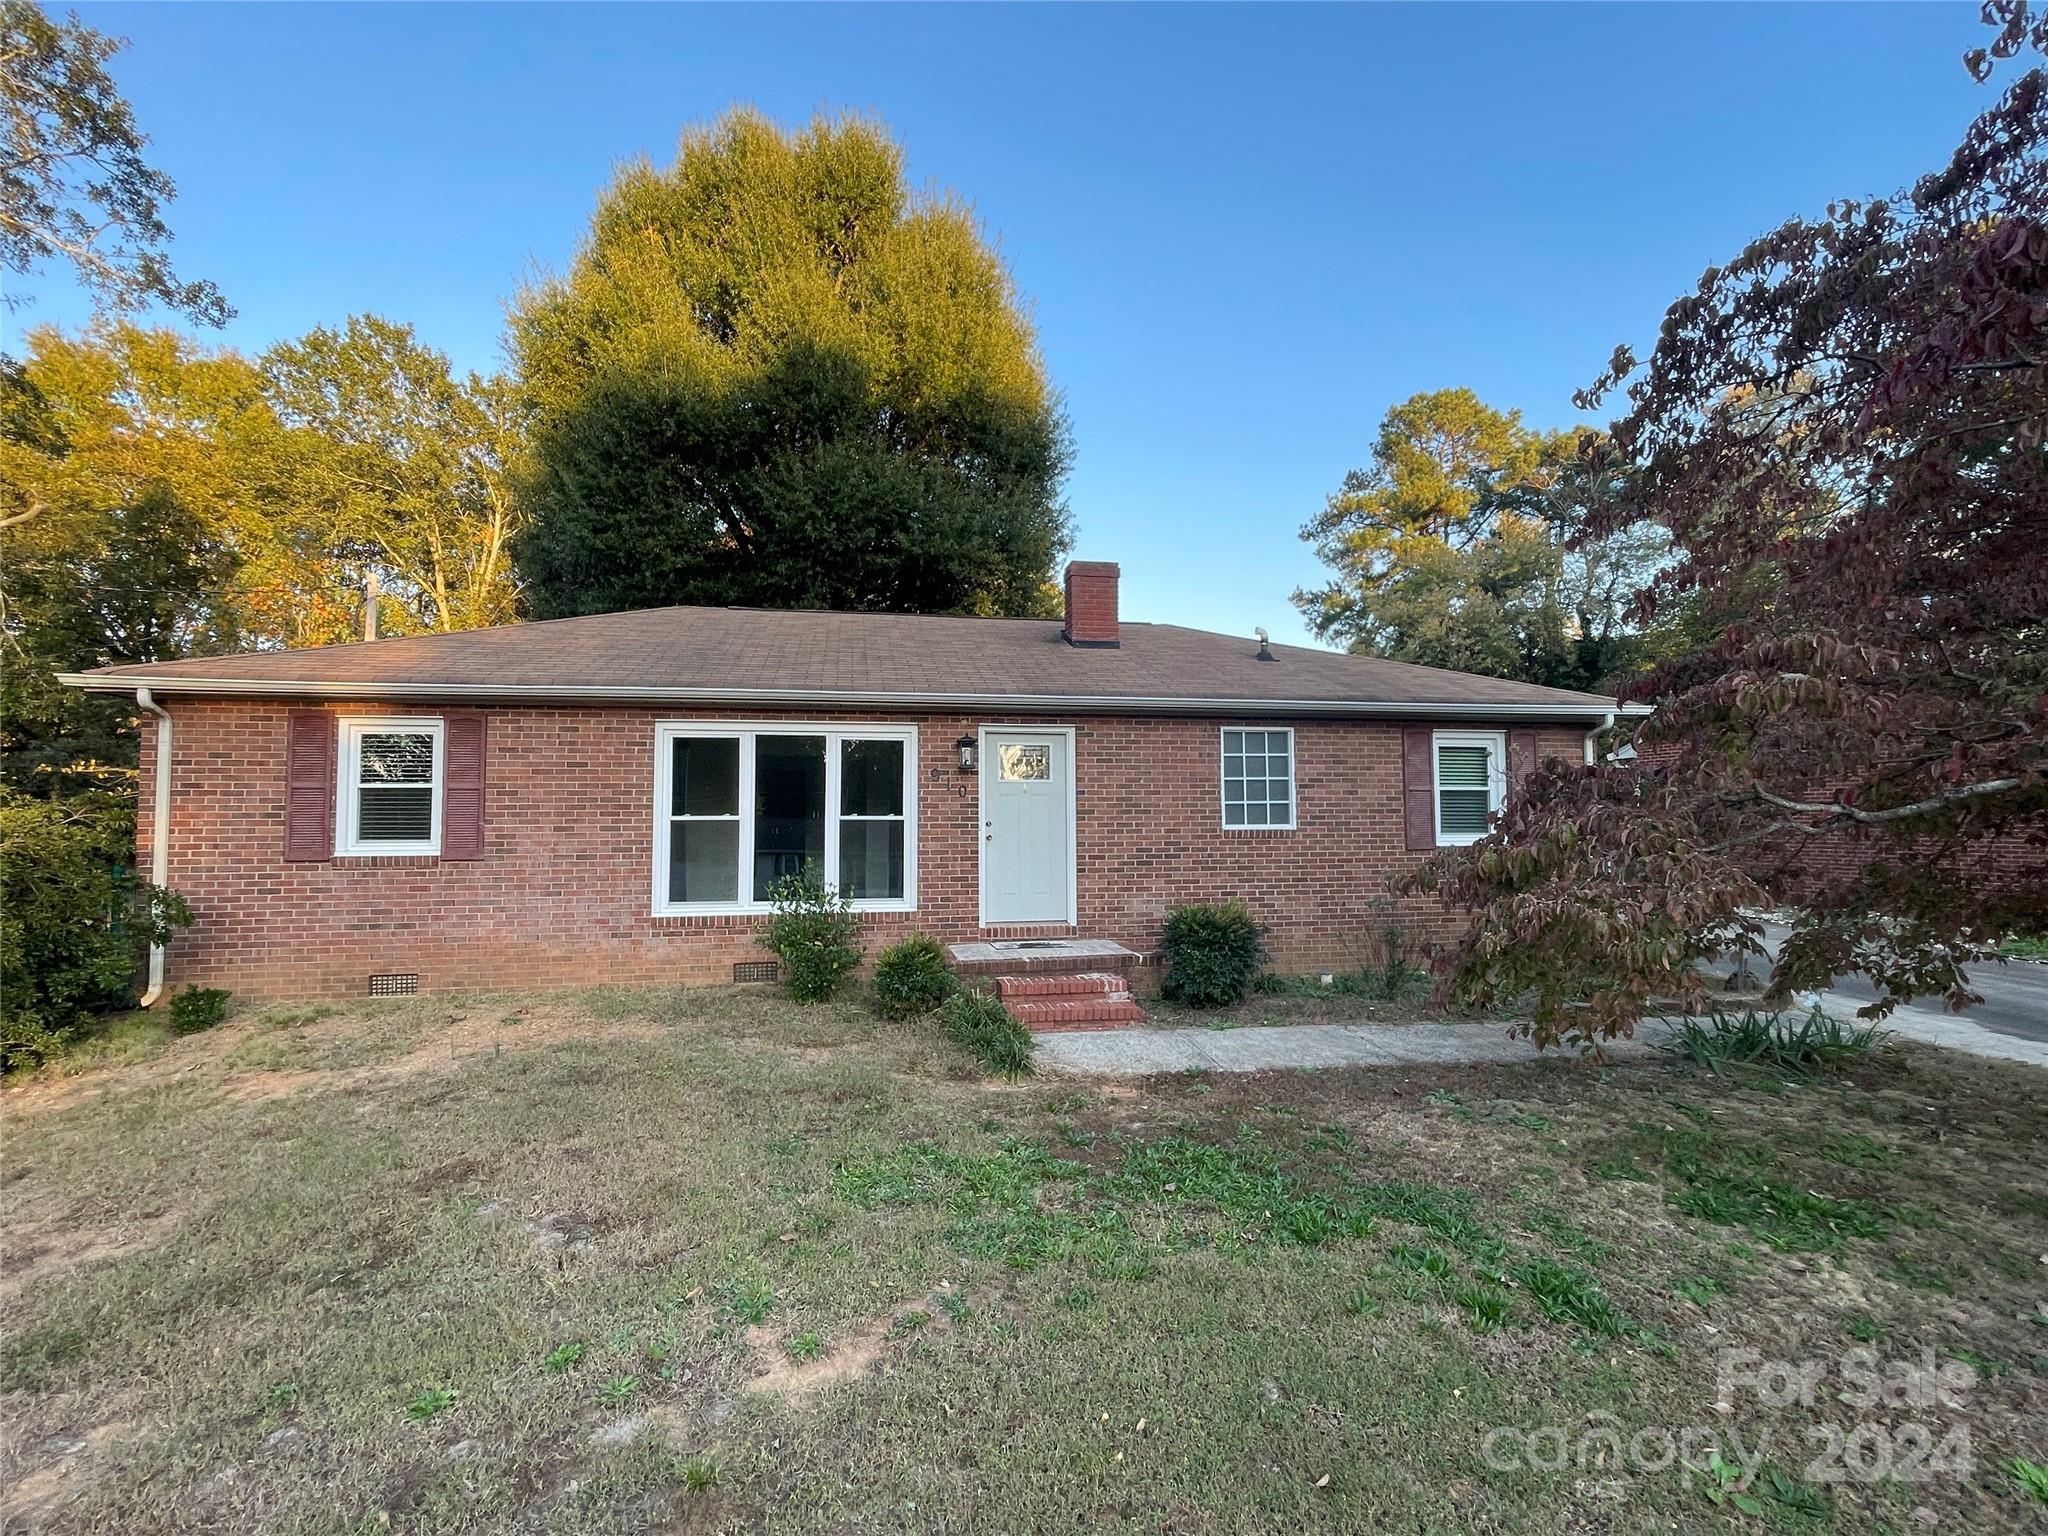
[1592,736]
[1061,702]
[159,832]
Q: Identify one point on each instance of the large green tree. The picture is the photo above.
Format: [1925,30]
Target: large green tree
[774,375]
[124,510]
[74,186]
[159,498]
[1463,544]
[399,470]
[121,569]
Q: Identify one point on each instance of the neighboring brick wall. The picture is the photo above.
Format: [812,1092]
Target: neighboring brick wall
[1799,869]
[562,893]
[1793,868]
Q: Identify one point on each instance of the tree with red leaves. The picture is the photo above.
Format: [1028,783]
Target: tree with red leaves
[1842,431]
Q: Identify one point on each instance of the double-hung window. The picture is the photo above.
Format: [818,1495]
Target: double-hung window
[388,800]
[740,807]
[1258,778]
[1471,784]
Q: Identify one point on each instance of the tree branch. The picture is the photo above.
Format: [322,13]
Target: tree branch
[1895,813]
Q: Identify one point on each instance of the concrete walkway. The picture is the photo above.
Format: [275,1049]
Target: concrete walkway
[1142,1052]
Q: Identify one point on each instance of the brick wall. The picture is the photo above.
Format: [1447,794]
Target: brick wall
[1794,869]
[561,895]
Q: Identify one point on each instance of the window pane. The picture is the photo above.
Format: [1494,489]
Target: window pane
[1255,815]
[871,778]
[706,776]
[394,815]
[392,757]
[1017,762]
[1463,812]
[1233,741]
[1464,767]
[703,860]
[1233,765]
[1280,808]
[1233,815]
[871,858]
[789,808]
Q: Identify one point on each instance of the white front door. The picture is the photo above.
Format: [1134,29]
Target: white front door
[1027,848]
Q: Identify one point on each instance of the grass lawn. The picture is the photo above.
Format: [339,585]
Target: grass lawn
[703,1261]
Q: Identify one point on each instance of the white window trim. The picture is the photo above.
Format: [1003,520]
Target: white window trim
[1223,782]
[747,731]
[347,844]
[1496,744]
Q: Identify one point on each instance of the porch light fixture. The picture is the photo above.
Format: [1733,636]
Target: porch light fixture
[965,748]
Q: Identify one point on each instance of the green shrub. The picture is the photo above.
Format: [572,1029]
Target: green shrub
[977,1021]
[73,919]
[1212,953]
[815,933]
[197,1008]
[911,978]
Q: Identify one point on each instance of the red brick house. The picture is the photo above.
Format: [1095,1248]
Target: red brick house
[607,798]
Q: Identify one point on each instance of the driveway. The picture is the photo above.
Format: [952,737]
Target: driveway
[2011,1023]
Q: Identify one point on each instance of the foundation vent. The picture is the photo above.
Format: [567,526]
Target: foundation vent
[756,970]
[397,985]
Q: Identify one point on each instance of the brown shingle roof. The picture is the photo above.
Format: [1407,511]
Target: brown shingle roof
[765,656]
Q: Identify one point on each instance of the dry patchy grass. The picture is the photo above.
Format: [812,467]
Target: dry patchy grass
[637,1260]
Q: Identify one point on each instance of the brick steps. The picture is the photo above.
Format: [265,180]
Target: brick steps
[1039,958]
[1068,1001]
[1053,984]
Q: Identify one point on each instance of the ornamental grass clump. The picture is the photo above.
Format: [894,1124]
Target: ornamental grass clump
[977,1021]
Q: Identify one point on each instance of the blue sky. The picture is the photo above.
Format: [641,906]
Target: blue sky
[1244,232]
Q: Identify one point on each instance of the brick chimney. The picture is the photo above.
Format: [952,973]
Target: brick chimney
[1091,603]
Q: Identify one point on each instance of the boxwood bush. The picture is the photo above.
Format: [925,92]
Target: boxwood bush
[911,978]
[197,1008]
[1212,952]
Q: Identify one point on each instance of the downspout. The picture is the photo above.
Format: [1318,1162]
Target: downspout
[1592,736]
[159,832]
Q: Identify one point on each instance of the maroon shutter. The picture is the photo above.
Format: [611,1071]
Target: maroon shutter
[1418,785]
[309,785]
[462,791]
[1521,761]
